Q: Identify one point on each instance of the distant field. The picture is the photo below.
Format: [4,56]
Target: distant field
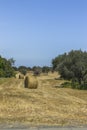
[46,105]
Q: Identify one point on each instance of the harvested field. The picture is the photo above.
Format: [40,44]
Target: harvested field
[45,105]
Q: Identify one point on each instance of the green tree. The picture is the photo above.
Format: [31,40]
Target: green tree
[6,69]
[45,69]
[72,66]
[23,69]
[37,70]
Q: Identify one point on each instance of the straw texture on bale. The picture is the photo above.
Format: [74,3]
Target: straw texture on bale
[21,76]
[17,76]
[30,82]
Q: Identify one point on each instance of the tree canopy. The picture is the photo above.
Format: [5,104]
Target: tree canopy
[6,69]
[72,66]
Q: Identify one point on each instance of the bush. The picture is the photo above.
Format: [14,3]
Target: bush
[73,66]
[66,84]
[6,69]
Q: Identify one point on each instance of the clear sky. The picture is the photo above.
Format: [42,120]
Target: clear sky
[34,32]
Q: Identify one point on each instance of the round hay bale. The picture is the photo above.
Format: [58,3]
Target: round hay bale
[17,76]
[21,76]
[30,82]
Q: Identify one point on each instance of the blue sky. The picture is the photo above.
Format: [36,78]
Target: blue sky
[34,32]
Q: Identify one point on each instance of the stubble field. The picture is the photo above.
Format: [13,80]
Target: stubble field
[46,105]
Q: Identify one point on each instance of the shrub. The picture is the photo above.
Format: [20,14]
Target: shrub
[66,84]
[73,66]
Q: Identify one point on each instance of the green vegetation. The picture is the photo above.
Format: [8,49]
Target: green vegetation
[46,69]
[6,69]
[66,84]
[23,69]
[38,70]
[72,66]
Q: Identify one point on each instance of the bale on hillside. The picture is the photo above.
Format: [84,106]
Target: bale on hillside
[30,82]
[17,76]
[21,76]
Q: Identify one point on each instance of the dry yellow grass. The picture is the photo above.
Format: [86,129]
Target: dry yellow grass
[45,105]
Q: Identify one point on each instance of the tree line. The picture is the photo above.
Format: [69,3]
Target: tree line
[36,69]
[71,66]
[7,68]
